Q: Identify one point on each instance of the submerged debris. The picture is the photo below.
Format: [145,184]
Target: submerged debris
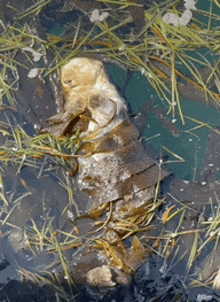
[95,16]
[174,19]
[117,217]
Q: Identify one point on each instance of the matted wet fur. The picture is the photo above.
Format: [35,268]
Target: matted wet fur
[114,168]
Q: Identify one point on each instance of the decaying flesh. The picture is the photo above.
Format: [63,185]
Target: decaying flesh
[115,165]
[114,168]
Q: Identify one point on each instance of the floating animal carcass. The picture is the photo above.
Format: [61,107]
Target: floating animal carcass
[114,170]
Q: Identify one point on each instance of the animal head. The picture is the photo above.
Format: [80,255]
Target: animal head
[91,101]
[80,74]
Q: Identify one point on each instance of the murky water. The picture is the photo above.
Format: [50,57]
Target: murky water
[39,194]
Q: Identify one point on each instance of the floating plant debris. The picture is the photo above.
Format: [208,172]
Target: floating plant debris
[111,223]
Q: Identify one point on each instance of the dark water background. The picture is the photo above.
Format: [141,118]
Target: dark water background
[192,149]
[137,90]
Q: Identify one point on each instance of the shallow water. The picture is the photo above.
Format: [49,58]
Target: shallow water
[47,197]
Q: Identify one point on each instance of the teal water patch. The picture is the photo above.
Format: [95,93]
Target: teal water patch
[191,143]
[138,91]
[117,75]
[57,30]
